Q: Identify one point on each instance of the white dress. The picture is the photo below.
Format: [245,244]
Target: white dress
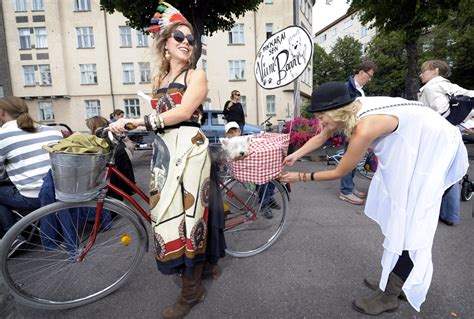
[417,162]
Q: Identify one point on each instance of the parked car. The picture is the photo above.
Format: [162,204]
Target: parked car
[214,123]
[213,127]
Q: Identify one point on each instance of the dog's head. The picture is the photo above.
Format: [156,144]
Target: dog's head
[236,147]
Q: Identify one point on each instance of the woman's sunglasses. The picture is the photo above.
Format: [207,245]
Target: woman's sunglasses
[179,37]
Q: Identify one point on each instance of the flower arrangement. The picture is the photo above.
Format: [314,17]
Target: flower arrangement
[302,129]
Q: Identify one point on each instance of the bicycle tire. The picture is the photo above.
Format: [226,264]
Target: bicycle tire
[466,190]
[248,232]
[48,275]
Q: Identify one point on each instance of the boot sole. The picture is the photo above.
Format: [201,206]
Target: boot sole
[402,296]
[371,314]
[192,304]
[345,199]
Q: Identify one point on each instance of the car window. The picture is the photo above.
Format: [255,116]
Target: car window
[217,119]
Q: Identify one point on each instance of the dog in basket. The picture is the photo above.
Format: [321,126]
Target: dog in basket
[235,146]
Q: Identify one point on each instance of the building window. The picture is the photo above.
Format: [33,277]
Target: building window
[24,38]
[132,108]
[323,38]
[237,69]
[203,39]
[88,73]
[2,91]
[41,38]
[364,32]
[145,74]
[204,65]
[85,37]
[236,34]
[348,24]
[38,5]
[269,29]
[127,73]
[270,99]
[268,1]
[82,5]
[125,36]
[243,102]
[92,108]
[45,74]
[333,31]
[142,39]
[20,5]
[46,111]
[29,75]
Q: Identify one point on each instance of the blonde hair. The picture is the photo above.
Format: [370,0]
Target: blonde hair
[95,122]
[345,117]
[162,65]
[17,108]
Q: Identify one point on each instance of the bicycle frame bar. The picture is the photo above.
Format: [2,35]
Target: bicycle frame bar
[111,170]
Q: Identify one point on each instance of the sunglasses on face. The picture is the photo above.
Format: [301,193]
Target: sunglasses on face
[179,37]
[237,94]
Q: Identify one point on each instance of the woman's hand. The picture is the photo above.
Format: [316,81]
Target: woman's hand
[290,177]
[119,125]
[290,160]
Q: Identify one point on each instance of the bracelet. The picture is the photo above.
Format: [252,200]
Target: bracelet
[312,176]
[304,177]
[162,122]
[299,177]
[147,123]
[152,121]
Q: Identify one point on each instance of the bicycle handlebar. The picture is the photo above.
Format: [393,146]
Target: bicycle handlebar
[267,121]
[103,132]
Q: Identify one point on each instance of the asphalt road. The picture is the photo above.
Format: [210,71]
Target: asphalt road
[314,270]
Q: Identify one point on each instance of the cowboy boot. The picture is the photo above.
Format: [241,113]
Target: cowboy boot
[192,293]
[373,284]
[381,301]
[211,271]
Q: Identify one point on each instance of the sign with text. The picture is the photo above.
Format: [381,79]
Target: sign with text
[283,57]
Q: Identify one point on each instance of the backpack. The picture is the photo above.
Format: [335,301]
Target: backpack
[459,108]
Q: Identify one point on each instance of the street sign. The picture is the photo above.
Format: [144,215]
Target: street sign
[283,57]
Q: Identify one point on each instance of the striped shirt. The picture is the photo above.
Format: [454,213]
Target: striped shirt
[25,161]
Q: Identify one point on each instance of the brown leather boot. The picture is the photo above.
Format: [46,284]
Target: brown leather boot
[192,293]
[373,284]
[211,271]
[381,301]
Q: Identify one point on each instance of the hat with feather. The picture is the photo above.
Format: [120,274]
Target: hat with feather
[165,15]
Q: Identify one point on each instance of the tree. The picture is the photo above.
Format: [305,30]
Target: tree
[206,16]
[412,18]
[387,52]
[337,65]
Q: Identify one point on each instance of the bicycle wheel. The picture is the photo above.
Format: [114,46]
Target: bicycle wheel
[466,190]
[46,273]
[253,224]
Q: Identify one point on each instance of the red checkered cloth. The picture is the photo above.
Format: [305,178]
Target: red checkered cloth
[264,160]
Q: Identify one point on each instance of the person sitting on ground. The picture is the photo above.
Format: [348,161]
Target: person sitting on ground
[420,154]
[265,191]
[26,163]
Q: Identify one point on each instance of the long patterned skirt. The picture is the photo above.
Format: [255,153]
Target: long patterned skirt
[179,198]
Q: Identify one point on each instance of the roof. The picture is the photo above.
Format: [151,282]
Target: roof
[329,26]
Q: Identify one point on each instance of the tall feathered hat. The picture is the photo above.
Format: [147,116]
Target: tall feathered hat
[165,15]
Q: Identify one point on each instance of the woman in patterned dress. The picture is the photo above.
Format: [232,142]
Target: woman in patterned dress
[420,156]
[180,168]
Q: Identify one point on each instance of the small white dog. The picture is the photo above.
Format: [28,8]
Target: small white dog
[236,147]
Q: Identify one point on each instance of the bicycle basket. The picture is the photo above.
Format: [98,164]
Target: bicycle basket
[264,161]
[78,177]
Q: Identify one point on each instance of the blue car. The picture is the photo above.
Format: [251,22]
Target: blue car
[214,123]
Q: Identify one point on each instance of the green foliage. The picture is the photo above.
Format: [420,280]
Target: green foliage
[413,18]
[339,64]
[305,113]
[387,52]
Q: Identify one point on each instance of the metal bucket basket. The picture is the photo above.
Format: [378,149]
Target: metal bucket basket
[78,177]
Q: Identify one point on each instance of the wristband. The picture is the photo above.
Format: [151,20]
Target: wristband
[147,123]
[312,176]
[152,121]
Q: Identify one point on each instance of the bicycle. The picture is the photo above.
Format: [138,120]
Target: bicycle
[362,169]
[101,241]
[268,125]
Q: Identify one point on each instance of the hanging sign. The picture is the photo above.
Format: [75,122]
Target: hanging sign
[283,57]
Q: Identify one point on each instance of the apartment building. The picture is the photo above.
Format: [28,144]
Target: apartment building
[70,61]
[347,25]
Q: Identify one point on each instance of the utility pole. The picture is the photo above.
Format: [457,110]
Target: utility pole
[296,83]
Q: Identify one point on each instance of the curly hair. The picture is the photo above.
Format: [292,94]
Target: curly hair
[162,64]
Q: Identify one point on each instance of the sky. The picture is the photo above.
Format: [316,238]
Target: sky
[324,14]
